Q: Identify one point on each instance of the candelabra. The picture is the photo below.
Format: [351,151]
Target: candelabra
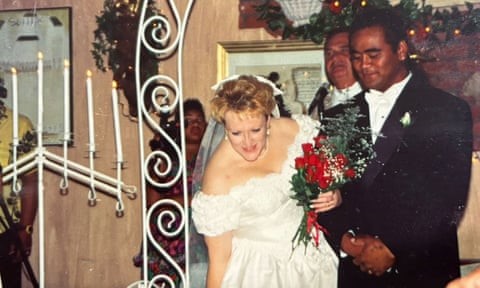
[41,159]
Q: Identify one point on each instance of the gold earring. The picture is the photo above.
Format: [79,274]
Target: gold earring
[226,137]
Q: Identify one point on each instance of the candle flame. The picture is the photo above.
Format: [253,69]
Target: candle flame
[89,73]
[114,84]
[66,63]
[14,71]
[40,55]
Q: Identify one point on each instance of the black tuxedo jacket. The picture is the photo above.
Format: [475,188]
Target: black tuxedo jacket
[413,193]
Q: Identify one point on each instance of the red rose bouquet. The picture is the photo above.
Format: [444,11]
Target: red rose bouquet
[338,155]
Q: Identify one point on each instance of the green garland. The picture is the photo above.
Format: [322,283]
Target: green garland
[117,27]
[114,46]
[426,21]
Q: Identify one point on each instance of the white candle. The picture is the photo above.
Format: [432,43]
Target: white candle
[40,94]
[116,123]
[91,132]
[15,105]
[66,99]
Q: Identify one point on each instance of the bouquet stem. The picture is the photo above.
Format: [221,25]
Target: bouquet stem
[308,229]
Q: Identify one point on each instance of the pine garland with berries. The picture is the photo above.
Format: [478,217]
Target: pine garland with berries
[425,21]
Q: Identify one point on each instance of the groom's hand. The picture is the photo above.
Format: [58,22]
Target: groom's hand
[350,246]
[375,257]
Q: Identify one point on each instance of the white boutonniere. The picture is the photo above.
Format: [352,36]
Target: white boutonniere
[406,120]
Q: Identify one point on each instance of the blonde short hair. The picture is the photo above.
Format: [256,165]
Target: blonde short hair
[244,95]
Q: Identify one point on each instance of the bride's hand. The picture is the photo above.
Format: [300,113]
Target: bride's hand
[327,201]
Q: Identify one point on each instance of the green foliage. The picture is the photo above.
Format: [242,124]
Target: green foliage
[347,137]
[115,45]
[309,191]
[330,17]
[116,35]
[105,36]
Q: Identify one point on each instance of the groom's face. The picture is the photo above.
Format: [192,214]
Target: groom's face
[376,62]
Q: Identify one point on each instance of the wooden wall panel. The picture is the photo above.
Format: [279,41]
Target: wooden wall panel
[469,231]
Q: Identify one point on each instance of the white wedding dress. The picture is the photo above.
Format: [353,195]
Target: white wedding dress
[264,219]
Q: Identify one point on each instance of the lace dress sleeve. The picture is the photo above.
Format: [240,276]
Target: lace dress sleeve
[309,127]
[215,214]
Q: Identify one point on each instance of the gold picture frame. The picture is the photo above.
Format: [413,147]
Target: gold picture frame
[299,65]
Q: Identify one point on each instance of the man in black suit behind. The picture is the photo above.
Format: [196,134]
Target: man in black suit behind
[404,211]
[329,102]
[342,85]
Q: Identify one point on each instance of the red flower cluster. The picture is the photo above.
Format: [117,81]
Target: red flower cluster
[322,168]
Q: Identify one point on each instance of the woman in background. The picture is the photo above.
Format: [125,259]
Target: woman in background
[194,119]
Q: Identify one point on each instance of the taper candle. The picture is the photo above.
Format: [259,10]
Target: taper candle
[116,123]
[66,99]
[15,104]
[91,132]
[40,93]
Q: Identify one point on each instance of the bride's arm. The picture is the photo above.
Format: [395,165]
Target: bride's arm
[219,246]
[219,250]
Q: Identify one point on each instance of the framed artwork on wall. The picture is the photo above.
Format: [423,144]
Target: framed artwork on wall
[298,66]
[27,34]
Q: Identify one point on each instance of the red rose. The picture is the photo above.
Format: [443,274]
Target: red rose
[299,163]
[323,165]
[322,156]
[307,148]
[319,172]
[341,160]
[319,139]
[350,173]
[320,168]
[310,175]
[313,160]
[324,182]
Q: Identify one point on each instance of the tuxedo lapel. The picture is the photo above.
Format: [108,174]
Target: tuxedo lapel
[364,120]
[391,135]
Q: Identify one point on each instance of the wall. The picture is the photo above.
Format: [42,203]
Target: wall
[90,246]
[457,70]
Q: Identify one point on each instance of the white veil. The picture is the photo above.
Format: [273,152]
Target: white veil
[213,136]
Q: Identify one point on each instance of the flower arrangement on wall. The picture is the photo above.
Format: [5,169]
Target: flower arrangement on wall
[115,43]
[427,23]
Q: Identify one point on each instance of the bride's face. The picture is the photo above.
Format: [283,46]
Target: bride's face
[247,134]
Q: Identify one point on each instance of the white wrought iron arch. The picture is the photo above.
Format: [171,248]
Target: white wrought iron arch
[162,25]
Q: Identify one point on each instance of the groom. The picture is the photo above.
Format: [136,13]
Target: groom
[404,211]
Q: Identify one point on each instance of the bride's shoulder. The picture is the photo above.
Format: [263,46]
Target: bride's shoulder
[285,125]
[216,171]
[298,123]
[305,120]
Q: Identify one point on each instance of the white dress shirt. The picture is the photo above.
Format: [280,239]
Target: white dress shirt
[340,96]
[381,103]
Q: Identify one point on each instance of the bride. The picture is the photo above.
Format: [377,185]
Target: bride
[244,207]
